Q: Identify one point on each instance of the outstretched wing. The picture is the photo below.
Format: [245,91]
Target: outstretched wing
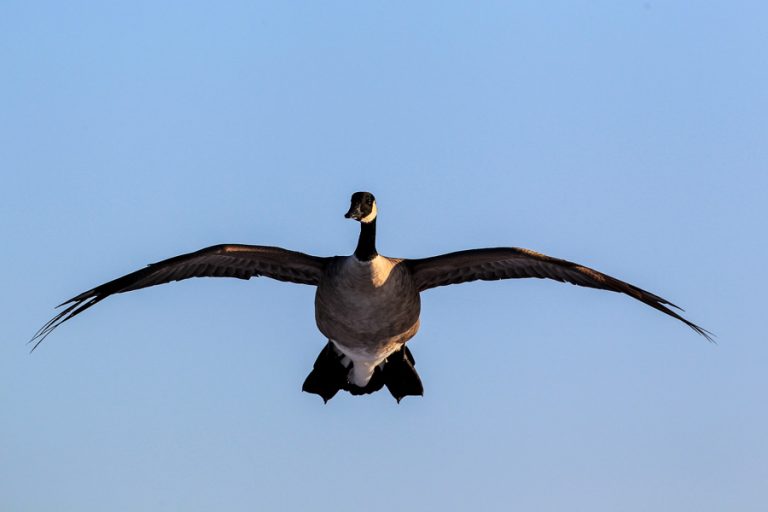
[239,261]
[512,262]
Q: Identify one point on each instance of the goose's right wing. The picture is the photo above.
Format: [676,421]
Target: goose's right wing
[239,261]
[512,262]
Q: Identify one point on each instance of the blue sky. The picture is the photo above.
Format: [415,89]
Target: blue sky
[627,136]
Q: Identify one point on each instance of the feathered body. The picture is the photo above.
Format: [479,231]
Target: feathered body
[369,309]
[367,305]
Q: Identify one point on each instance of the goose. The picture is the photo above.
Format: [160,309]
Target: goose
[366,305]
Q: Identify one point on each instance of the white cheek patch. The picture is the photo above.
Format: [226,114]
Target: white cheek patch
[369,218]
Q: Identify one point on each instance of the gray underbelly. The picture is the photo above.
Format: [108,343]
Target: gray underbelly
[369,329]
[367,309]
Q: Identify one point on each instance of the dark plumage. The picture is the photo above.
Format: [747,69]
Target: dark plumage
[367,305]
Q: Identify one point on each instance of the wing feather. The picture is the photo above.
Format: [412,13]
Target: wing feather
[513,263]
[229,260]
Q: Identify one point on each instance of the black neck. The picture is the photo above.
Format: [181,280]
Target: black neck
[366,244]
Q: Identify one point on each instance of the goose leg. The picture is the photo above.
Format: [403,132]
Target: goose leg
[328,375]
[400,375]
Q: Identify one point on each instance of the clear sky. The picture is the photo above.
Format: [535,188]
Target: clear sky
[628,136]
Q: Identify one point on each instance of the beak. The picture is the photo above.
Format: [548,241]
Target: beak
[353,213]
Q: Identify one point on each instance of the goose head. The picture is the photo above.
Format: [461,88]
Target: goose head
[362,207]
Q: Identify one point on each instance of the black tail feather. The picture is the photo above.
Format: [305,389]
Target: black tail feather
[400,375]
[328,375]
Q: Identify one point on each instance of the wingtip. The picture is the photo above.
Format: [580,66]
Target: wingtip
[37,340]
[708,335]
[40,336]
[74,307]
[671,304]
[77,298]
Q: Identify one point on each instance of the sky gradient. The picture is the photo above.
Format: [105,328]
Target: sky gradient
[631,137]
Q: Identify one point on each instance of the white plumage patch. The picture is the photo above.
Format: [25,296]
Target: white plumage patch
[363,363]
[369,218]
[361,372]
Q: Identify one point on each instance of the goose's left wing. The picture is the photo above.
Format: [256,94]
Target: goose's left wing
[512,263]
[230,260]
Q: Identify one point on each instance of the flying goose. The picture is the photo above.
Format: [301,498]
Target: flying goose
[366,305]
